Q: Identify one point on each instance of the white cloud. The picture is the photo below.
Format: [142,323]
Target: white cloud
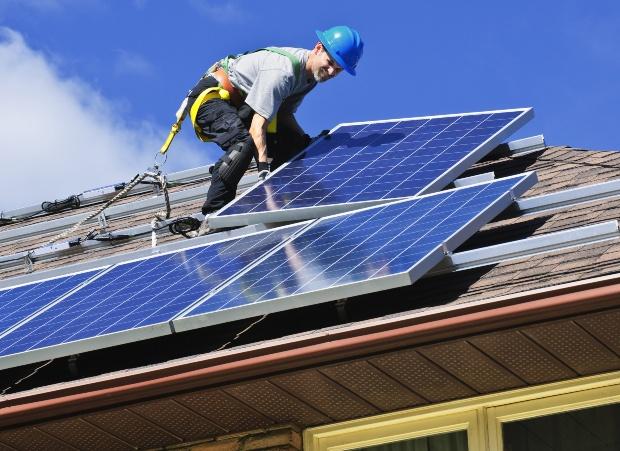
[59,136]
[223,11]
[129,63]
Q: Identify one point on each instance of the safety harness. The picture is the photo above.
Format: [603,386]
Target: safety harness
[225,91]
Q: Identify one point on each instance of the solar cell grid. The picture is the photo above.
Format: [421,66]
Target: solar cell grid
[141,293]
[361,163]
[366,246]
[386,246]
[16,304]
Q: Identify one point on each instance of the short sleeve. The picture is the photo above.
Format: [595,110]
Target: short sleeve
[268,92]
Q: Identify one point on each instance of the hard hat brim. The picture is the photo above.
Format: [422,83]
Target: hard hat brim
[332,53]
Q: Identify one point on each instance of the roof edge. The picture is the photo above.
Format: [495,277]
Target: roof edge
[226,367]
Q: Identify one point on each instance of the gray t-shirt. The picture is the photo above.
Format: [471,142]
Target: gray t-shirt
[269,81]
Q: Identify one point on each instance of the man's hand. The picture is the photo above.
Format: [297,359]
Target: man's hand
[320,135]
[304,141]
[264,169]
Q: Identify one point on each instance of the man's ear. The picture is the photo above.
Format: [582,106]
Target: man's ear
[317,48]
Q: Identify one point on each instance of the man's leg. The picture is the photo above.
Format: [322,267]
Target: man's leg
[226,175]
[220,121]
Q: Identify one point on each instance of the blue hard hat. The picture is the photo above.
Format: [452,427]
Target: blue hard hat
[343,44]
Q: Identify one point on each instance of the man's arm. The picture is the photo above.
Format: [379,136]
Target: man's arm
[258,131]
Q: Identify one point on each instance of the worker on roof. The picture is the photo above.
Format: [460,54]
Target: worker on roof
[243,97]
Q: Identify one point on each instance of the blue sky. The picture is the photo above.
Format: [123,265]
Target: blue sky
[90,87]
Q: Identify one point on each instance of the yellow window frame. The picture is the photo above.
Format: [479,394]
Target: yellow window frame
[395,427]
[581,398]
[482,417]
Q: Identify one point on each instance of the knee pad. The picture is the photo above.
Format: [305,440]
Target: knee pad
[236,161]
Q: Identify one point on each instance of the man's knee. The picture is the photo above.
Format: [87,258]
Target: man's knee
[235,162]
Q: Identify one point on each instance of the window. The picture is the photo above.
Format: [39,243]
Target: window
[576,415]
[451,441]
[593,429]
[433,428]
[586,418]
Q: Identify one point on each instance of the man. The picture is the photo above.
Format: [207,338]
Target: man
[242,96]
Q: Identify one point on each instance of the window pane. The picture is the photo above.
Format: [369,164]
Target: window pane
[595,429]
[452,441]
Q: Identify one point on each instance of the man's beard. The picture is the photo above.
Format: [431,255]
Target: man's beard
[320,75]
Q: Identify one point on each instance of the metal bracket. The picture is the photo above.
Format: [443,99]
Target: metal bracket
[103,222]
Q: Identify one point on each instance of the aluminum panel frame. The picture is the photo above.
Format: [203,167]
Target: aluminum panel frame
[418,270]
[125,336]
[218,220]
[85,345]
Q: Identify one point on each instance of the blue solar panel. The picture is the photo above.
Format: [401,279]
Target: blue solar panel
[141,293]
[18,303]
[362,163]
[354,253]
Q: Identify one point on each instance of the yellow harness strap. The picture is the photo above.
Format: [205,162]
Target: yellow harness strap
[173,131]
[176,127]
[218,93]
[206,95]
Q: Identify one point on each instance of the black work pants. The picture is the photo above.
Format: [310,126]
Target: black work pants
[223,124]
[220,120]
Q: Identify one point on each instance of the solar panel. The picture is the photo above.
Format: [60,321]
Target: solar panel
[355,253]
[18,303]
[362,164]
[134,300]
